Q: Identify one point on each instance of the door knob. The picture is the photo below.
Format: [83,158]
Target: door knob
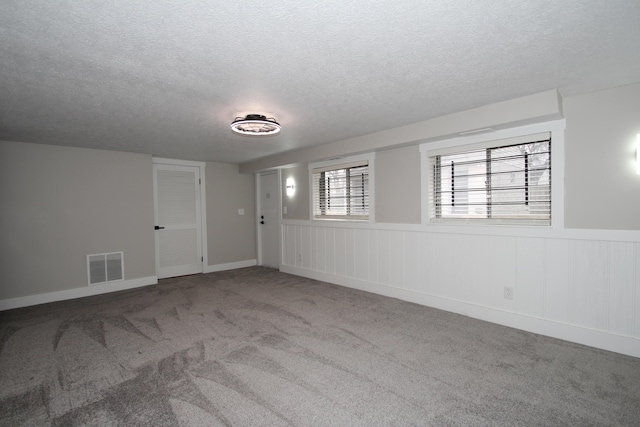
[261,222]
[157,227]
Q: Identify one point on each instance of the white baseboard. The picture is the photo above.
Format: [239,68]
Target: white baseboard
[230,266]
[30,300]
[577,334]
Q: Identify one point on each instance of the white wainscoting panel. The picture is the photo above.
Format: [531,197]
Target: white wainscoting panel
[383,260]
[306,245]
[589,265]
[321,252]
[340,251]
[289,246]
[621,287]
[330,250]
[349,252]
[636,305]
[374,269]
[556,280]
[361,254]
[411,257]
[396,260]
[530,277]
[578,286]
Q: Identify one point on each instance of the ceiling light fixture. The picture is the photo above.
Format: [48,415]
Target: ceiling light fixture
[255,125]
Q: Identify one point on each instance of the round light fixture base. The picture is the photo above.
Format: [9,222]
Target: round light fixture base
[255,125]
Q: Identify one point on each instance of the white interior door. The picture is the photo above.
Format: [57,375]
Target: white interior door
[269,219]
[177,220]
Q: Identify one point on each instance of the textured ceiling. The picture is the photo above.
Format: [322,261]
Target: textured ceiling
[167,77]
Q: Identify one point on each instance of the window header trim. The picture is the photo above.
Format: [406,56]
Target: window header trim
[341,163]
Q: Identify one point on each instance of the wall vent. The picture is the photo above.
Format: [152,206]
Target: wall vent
[104,268]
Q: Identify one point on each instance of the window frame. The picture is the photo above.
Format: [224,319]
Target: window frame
[494,139]
[339,163]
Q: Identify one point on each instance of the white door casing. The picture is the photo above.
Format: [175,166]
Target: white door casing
[178,219]
[269,219]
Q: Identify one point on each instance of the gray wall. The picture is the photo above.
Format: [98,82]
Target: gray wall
[602,189]
[397,186]
[230,237]
[298,205]
[535,108]
[60,204]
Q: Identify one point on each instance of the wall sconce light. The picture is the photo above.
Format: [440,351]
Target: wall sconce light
[638,154]
[291,189]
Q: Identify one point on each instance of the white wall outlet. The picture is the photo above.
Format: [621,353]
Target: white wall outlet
[284,210]
[240,211]
[300,258]
[508,292]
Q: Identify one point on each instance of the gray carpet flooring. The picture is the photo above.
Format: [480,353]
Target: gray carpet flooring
[256,347]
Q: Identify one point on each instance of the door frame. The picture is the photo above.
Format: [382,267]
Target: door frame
[203,204]
[258,213]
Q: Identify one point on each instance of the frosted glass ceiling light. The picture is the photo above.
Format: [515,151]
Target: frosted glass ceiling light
[255,125]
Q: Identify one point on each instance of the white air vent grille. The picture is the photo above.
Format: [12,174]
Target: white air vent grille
[104,268]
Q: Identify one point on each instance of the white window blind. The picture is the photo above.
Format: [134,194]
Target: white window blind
[506,183]
[341,191]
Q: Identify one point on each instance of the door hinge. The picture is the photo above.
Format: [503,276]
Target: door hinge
[200,181]
[202,258]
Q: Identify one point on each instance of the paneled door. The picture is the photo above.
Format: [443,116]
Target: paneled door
[269,219]
[177,220]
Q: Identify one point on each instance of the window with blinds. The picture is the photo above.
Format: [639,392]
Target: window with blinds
[341,191]
[507,183]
